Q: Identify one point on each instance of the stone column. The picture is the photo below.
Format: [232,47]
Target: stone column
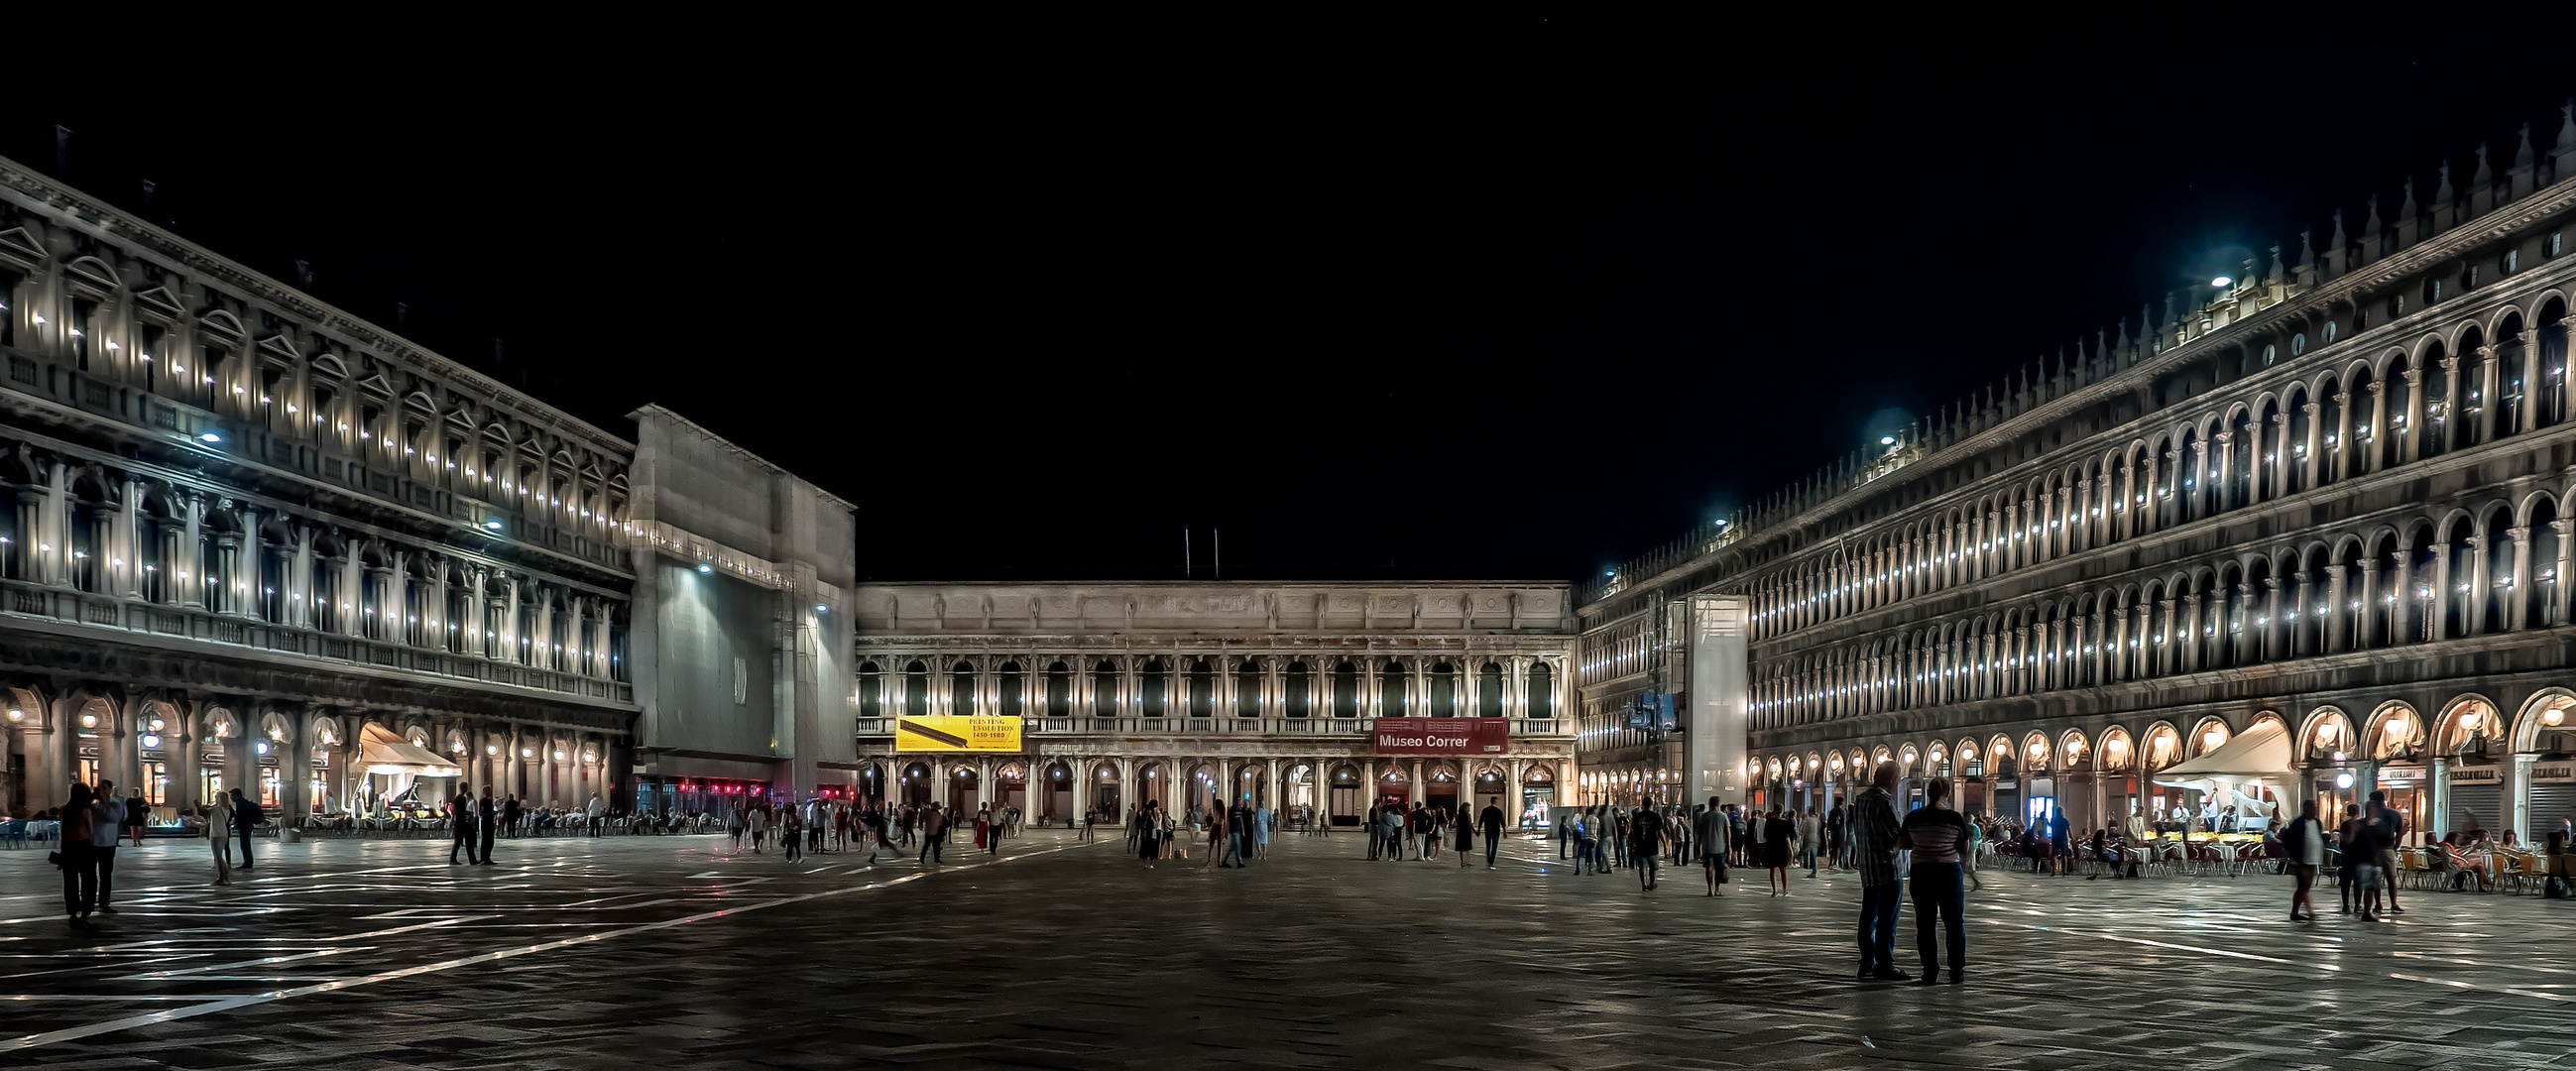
[2401,613]
[2517,601]
[2332,629]
[2341,443]
[2486,395]
[2411,444]
[2558,578]
[2311,461]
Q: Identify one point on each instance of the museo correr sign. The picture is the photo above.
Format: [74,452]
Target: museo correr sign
[1443,736]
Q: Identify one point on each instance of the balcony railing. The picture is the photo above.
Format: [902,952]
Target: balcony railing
[106,614]
[1532,727]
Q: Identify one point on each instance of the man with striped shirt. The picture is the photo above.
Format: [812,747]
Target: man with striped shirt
[1938,836]
[1874,836]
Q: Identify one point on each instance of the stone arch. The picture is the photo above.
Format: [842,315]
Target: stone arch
[2546,711]
[2395,730]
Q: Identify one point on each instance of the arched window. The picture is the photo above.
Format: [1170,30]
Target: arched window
[961,689]
[1390,691]
[2298,344]
[1153,683]
[1346,691]
[1542,692]
[1007,685]
[1104,691]
[1202,698]
[1247,689]
[1300,696]
[871,691]
[1059,691]
[1444,690]
[1489,691]
[916,690]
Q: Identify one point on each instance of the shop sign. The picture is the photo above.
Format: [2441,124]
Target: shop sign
[2553,773]
[2477,775]
[2009,782]
[2393,775]
[936,733]
[1442,736]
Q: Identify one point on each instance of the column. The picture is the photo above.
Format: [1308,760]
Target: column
[2410,444]
[2558,578]
[2486,395]
[1413,789]
[2517,605]
[2311,460]
[2376,429]
[2332,628]
[2341,442]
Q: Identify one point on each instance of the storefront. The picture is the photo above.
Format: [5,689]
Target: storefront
[2476,796]
[2407,790]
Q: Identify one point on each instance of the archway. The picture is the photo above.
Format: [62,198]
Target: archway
[915,785]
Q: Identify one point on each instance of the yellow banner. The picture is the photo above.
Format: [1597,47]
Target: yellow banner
[957,732]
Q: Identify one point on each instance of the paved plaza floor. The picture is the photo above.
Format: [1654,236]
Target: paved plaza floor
[678,952]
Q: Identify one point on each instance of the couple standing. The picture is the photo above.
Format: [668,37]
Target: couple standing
[1938,837]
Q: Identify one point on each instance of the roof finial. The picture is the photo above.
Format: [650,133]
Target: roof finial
[2522,154]
[2307,248]
[2370,229]
[2485,178]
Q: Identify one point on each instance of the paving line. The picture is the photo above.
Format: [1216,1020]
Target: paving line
[228,1003]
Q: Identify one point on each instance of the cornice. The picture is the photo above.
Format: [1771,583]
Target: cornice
[109,223]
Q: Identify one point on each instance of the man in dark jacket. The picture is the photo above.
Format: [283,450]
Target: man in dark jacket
[246,819]
[1490,822]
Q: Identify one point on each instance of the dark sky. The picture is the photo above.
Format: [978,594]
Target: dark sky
[1514,298]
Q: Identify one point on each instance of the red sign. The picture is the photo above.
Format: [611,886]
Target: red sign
[1443,736]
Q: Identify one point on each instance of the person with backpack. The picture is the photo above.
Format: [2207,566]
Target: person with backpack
[1646,828]
[2304,842]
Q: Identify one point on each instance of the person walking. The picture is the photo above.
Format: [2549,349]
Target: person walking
[246,820]
[1712,835]
[596,813]
[1491,818]
[1968,855]
[1564,834]
[138,815]
[80,869]
[1810,833]
[1646,829]
[460,820]
[510,812]
[736,823]
[219,824]
[107,828]
[487,825]
[2304,840]
[1261,817]
[2389,834]
[1777,835]
[1834,834]
[1463,829]
[934,834]
[1936,834]
[791,833]
[757,823]
[1757,824]
[1874,844]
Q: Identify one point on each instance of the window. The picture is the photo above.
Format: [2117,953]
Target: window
[2396,305]
[2553,245]
[81,311]
[2270,353]
[2328,334]
[2506,264]
[2298,343]
[2432,291]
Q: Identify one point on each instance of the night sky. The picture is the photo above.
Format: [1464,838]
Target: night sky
[1513,299]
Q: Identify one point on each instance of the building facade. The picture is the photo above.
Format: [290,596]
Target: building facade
[253,541]
[2330,494]
[1186,692]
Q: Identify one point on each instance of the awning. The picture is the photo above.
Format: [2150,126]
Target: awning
[381,752]
[2261,753]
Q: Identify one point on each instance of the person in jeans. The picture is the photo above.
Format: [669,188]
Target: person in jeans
[1712,833]
[1647,827]
[1939,839]
[1874,844]
[2389,834]
[2305,841]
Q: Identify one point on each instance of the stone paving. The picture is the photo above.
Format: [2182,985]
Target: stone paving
[681,952]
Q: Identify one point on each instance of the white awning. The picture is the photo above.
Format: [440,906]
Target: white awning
[2261,753]
[381,752]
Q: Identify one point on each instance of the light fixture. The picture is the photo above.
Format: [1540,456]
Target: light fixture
[706,568]
[2222,282]
[16,714]
[210,437]
[494,524]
